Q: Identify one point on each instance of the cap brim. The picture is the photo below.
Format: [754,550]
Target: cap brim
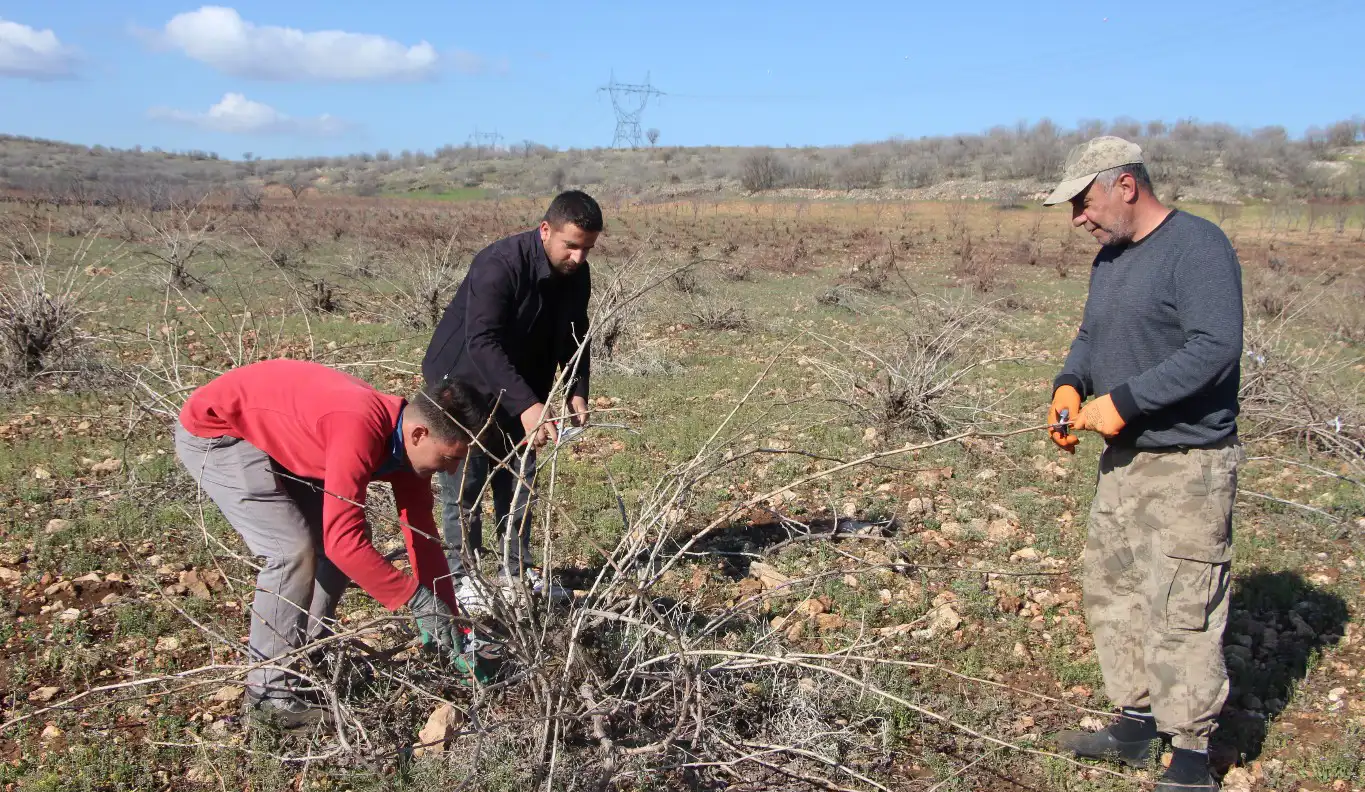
[1069,189]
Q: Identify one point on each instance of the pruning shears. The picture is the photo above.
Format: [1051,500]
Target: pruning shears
[568,433]
[1063,421]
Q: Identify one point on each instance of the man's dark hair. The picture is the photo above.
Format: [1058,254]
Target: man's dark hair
[453,411]
[577,207]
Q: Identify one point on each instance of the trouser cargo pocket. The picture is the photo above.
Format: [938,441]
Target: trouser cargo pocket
[1189,506]
[1190,592]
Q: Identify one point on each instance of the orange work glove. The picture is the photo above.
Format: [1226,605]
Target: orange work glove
[1100,416]
[1064,398]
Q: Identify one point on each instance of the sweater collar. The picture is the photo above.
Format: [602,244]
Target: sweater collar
[398,455]
[1169,216]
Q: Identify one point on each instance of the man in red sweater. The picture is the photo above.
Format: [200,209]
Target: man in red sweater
[286,449]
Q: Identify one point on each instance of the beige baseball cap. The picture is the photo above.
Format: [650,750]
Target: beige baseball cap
[1087,160]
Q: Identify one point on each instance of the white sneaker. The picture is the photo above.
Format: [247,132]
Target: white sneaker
[471,596]
[539,586]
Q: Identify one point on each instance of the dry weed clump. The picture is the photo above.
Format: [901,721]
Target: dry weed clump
[413,284]
[621,297]
[175,237]
[44,295]
[687,281]
[1299,394]
[980,268]
[735,272]
[718,314]
[903,385]
[846,296]
[358,262]
[874,274]
[322,297]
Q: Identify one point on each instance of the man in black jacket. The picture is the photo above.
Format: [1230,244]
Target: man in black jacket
[520,315]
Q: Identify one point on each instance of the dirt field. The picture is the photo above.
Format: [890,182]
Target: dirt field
[829,549]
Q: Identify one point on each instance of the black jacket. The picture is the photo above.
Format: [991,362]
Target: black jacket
[512,323]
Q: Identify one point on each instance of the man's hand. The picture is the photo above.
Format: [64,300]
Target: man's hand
[1100,416]
[435,622]
[539,431]
[1064,398]
[578,411]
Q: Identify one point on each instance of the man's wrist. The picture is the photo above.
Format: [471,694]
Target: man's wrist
[1125,404]
[1068,379]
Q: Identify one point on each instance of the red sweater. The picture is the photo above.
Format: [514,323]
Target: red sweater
[321,423]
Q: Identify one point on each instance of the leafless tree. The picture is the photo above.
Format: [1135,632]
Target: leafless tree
[297,183]
[249,197]
[861,173]
[1343,133]
[761,171]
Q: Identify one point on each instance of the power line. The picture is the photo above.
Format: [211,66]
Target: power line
[482,141]
[629,100]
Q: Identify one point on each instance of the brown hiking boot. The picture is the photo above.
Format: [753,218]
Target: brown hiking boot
[286,713]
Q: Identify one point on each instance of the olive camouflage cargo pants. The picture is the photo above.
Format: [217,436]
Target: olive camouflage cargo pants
[1156,582]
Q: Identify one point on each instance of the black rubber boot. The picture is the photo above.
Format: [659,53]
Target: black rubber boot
[1129,740]
[1189,772]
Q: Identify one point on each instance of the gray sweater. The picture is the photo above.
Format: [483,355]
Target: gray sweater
[1162,334]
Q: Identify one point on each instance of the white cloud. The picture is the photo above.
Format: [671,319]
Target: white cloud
[35,54]
[219,37]
[238,115]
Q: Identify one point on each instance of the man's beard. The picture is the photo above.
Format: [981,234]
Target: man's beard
[1119,234]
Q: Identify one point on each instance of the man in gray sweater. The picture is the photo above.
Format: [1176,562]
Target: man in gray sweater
[1159,351]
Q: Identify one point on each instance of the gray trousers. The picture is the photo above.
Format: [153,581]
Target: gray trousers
[462,511]
[280,520]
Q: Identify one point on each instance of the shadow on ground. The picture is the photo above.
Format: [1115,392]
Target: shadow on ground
[1278,624]
[766,531]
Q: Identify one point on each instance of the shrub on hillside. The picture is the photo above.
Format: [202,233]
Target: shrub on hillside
[761,171]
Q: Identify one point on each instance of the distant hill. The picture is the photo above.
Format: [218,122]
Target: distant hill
[1190,161]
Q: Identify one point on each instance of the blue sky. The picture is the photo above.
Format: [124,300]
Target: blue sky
[415,75]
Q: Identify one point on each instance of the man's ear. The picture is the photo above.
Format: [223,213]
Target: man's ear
[1130,188]
[419,433]
[544,231]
